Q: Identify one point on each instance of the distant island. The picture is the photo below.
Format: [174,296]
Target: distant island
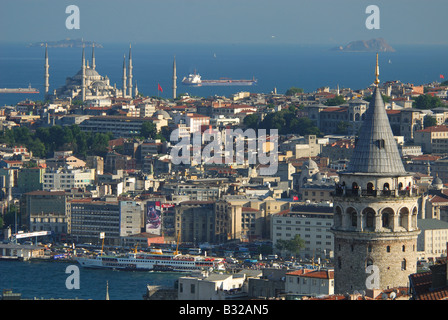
[373,45]
[66,43]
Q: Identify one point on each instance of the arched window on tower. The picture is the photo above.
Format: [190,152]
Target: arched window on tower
[338,217]
[369,215]
[387,215]
[355,188]
[351,218]
[403,264]
[370,188]
[414,218]
[354,218]
[403,218]
[386,189]
[385,220]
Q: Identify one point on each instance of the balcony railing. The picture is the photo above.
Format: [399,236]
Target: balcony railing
[341,192]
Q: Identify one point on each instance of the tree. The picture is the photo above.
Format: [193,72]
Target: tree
[342,127]
[427,101]
[251,121]
[292,246]
[386,99]
[148,130]
[336,101]
[165,132]
[293,91]
[429,121]
[12,217]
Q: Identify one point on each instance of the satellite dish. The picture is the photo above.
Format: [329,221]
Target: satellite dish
[384,296]
[392,295]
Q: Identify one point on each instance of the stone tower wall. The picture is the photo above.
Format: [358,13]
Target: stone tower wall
[352,256]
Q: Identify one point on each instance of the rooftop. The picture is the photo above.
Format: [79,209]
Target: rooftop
[376,150]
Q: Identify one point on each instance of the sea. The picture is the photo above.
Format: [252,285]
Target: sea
[275,66]
[46,280]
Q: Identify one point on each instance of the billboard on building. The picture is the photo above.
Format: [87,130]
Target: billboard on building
[153,219]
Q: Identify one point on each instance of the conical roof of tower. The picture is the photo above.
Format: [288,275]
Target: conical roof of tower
[376,150]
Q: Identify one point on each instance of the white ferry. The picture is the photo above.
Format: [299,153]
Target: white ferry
[155,260]
[195,80]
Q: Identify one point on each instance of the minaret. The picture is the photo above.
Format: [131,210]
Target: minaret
[93,57]
[136,90]
[174,79]
[130,72]
[47,74]
[124,76]
[83,67]
[375,210]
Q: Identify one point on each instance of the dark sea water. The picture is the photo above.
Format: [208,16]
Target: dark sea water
[47,280]
[275,66]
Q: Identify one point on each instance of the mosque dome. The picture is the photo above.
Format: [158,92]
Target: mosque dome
[437,183]
[163,113]
[310,164]
[90,73]
[99,85]
[318,177]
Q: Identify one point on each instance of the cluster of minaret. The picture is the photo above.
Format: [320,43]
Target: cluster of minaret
[174,78]
[47,74]
[127,77]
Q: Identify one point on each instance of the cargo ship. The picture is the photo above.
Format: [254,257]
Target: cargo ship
[156,260]
[19,90]
[194,80]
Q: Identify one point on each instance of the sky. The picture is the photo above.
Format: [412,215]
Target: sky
[335,22]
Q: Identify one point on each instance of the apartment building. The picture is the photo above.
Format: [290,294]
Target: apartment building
[309,283]
[433,139]
[117,219]
[312,223]
[66,179]
[432,241]
[46,211]
[120,126]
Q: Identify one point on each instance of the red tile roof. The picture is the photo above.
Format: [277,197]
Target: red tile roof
[335,109]
[298,272]
[422,283]
[320,274]
[440,128]
[438,199]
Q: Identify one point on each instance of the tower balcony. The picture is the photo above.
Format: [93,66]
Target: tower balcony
[353,193]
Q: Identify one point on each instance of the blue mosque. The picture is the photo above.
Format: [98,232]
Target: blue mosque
[87,84]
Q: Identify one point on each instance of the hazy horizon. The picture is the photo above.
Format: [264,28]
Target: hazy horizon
[319,22]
